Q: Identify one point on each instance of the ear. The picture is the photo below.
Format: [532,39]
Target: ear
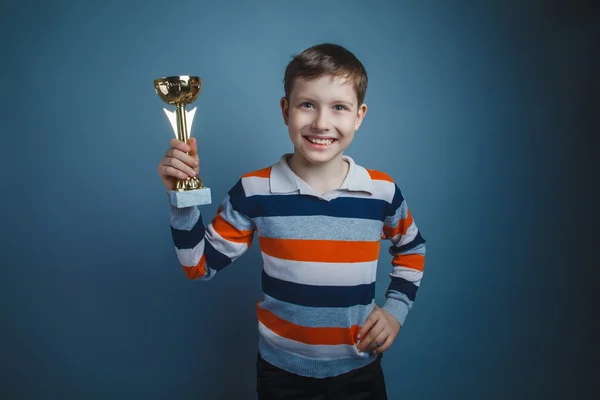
[285,110]
[360,115]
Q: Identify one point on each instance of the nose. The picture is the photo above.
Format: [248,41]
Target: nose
[321,122]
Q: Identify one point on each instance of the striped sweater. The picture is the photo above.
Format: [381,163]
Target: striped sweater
[319,256]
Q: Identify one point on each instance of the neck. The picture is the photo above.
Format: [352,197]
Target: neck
[322,177]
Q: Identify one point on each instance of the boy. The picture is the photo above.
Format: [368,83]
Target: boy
[319,219]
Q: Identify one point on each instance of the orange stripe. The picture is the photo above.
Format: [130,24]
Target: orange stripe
[379,176]
[412,261]
[303,334]
[320,250]
[401,227]
[230,232]
[197,271]
[261,173]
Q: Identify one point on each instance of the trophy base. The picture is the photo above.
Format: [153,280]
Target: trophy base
[190,198]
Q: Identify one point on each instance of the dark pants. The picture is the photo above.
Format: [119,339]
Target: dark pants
[365,383]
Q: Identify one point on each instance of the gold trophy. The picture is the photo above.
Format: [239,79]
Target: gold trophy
[181,91]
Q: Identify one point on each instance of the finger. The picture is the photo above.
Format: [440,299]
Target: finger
[194,152]
[183,157]
[384,344]
[367,341]
[375,337]
[371,320]
[179,145]
[180,166]
[193,147]
[168,171]
[379,341]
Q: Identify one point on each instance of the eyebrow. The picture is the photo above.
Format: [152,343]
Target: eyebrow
[335,101]
[348,103]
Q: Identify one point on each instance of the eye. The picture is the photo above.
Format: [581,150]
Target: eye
[306,105]
[340,107]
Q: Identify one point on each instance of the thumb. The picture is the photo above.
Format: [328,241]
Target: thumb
[193,147]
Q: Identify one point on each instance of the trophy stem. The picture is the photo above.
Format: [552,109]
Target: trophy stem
[182,133]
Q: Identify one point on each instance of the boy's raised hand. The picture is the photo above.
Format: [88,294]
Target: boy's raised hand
[176,164]
[378,332]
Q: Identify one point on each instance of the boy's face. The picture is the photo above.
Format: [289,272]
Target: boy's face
[322,115]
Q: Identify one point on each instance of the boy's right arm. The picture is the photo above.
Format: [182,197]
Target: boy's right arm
[203,251]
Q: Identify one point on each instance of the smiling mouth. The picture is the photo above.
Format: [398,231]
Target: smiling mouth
[320,141]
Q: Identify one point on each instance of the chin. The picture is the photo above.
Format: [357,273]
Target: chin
[318,158]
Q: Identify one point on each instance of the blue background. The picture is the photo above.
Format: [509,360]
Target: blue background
[486,113]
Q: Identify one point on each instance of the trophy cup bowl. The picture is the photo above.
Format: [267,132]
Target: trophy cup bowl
[181,91]
[178,89]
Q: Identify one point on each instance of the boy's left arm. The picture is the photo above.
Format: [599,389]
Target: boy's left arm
[408,251]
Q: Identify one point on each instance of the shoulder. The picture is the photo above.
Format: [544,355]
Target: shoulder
[264,173]
[383,186]
[249,184]
[373,174]
[255,182]
[377,175]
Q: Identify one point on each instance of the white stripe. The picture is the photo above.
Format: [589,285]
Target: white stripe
[410,234]
[190,257]
[224,246]
[321,273]
[321,351]
[411,275]
[381,190]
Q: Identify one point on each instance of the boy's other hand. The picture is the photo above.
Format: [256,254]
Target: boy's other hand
[379,332]
[176,164]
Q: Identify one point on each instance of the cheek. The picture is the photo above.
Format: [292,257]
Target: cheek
[296,122]
[294,130]
[348,125]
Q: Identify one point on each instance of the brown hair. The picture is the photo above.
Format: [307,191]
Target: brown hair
[326,59]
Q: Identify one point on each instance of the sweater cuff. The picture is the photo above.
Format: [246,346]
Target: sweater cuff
[397,308]
[184,218]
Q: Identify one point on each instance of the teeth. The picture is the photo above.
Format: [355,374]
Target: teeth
[320,141]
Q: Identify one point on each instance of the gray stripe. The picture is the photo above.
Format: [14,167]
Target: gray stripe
[313,367]
[235,218]
[316,317]
[401,213]
[319,228]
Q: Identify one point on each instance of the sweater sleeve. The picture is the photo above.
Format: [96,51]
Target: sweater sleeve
[203,250]
[408,252]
